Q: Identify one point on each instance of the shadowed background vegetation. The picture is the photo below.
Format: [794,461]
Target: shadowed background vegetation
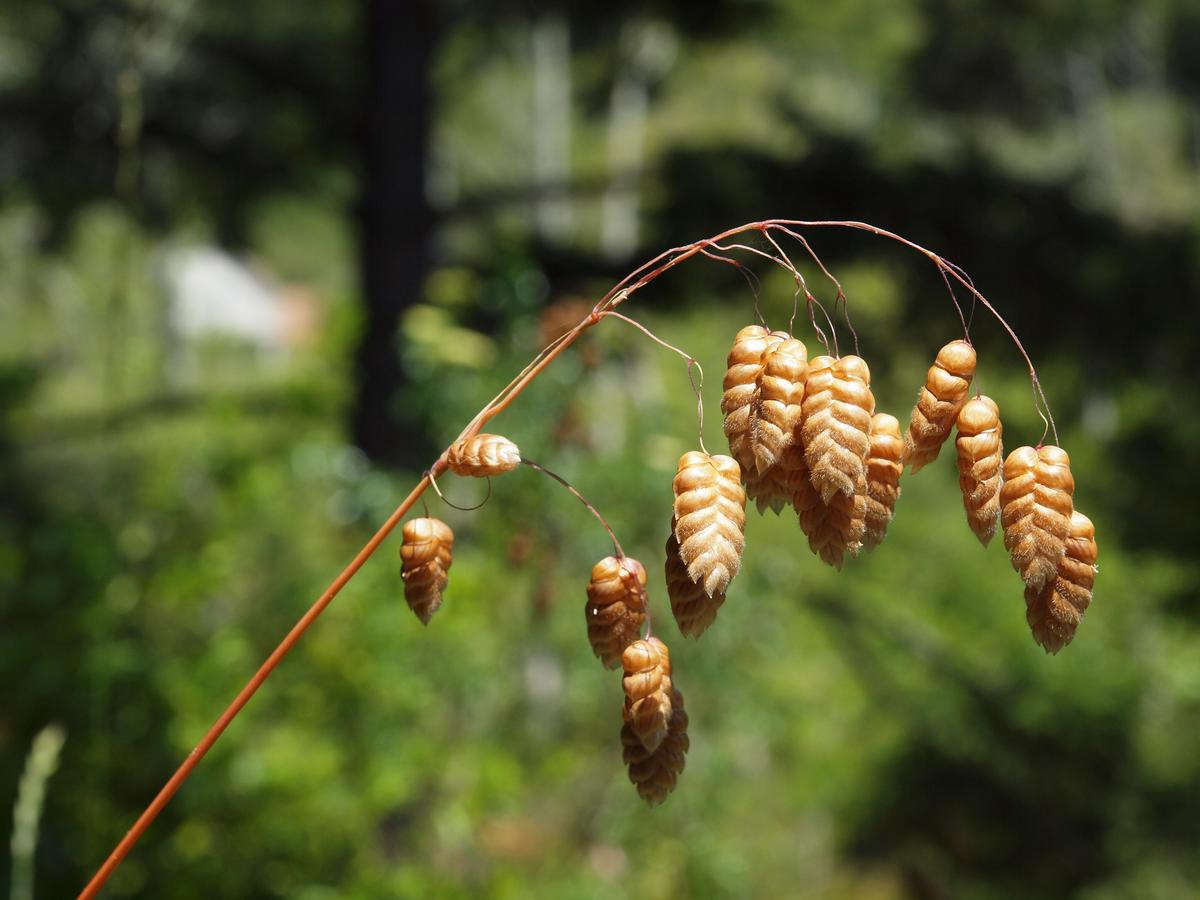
[392,207]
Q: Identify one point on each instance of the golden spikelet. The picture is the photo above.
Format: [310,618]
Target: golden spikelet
[980,468]
[710,515]
[944,393]
[1036,506]
[694,610]
[767,489]
[647,684]
[884,467]
[764,389]
[780,398]
[654,773]
[483,455]
[740,400]
[426,551]
[1055,611]
[834,528]
[616,607]
[836,424]
[775,488]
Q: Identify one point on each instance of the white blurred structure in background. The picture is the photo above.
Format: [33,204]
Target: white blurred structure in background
[214,295]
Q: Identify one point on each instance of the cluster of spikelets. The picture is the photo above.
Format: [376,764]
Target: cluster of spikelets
[427,546]
[654,730]
[803,433]
[653,736]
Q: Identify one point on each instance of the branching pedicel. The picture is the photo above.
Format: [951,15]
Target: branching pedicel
[802,432]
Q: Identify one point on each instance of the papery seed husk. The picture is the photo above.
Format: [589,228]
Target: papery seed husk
[1035,510]
[483,455]
[835,528]
[779,402]
[884,467]
[979,447]
[836,424]
[693,608]
[655,773]
[426,551]
[616,607]
[740,400]
[710,518]
[647,684]
[1054,612]
[947,383]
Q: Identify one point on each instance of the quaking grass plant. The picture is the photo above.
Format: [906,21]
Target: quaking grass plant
[803,433]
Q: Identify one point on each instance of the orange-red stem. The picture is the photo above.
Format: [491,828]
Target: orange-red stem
[244,695]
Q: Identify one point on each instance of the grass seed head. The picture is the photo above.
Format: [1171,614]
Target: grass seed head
[764,392]
[836,424]
[740,401]
[426,551]
[943,395]
[483,455]
[693,608]
[710,518]
[884,467]
[980,468]
[767,489]
[647,684]
[835,528]
[1035,510]
[655,772]
[1055,611]
[616,607]
[779,403]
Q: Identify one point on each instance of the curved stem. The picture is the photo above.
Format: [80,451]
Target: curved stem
[752,279]
[809,298]
[961,278]
[582,499]
[618,294]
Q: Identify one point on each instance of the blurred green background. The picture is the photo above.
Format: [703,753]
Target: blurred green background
[260,261]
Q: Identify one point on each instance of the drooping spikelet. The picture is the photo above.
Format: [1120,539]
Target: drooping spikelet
[483,455]
[710,515]
[654,774]
[775,430]
[781,393]
[836,425]
[766,489]
[740,400]
[1055,611]
[693,608]
[835,528]
[647,686]
[764,388]
[980,469]
[426,551]
[1036,506]
[884,467]
[616,607]
[944,393]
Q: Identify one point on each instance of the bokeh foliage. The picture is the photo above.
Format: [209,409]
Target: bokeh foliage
[887,731]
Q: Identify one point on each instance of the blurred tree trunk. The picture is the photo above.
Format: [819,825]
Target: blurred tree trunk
[395,218]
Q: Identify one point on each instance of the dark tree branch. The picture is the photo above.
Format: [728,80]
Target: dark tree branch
[395,218]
